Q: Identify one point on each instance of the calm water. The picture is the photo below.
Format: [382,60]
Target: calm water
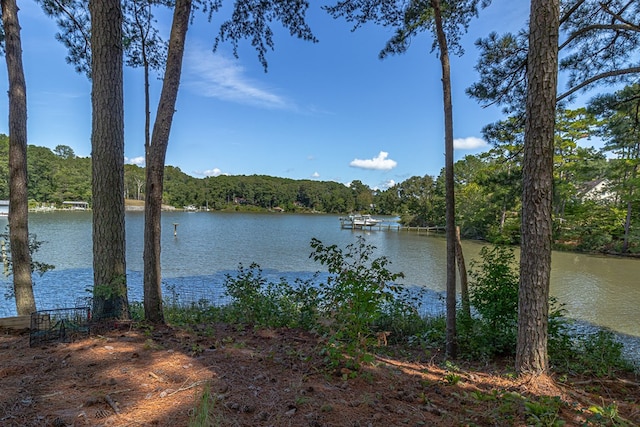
[603,291]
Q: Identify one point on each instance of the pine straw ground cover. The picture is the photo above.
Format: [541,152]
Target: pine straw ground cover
[231,376]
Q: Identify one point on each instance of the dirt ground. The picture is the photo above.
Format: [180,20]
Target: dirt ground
[155,377]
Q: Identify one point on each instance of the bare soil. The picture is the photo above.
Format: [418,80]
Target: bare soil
[135,376]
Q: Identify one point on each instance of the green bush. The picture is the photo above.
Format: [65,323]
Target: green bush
[596,353]
[357,290]
[256,301]
[493,293]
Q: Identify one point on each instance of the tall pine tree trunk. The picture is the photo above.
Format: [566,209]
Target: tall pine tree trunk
[107,144]
[155,163]
[18,197]
[451,338]
[537,194]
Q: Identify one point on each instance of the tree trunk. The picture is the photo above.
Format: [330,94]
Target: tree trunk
[107,144]
[464,283]
[537,194]
[18,197]
[627,222]
[155,163]
[627,228]
[451,334]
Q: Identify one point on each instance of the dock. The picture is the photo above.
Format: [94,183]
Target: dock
[346,223]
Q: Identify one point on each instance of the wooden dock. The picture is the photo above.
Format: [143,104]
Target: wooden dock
[390,227]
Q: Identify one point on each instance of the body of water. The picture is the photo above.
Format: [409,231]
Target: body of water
[603,291]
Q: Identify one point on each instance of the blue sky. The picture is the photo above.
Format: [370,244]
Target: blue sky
[326,111]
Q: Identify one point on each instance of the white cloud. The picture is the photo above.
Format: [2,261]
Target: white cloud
[377,163]
[469,143]
[388,184]
[135,160]
[212,172]
[315,175]
[217,76]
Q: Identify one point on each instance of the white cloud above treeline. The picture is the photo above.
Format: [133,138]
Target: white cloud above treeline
[469,143]
[381,162]
[211,172]
[139,161]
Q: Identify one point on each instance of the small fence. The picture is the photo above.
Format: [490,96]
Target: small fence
[59,325]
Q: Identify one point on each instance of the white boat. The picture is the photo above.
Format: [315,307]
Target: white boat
[359,221]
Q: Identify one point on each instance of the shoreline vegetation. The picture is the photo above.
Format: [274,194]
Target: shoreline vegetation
[591,213]
[348,351]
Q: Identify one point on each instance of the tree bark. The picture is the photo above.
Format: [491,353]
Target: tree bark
[107,142]
[535,259]
[18,197]
[450,213]
[155,163]
[464,283]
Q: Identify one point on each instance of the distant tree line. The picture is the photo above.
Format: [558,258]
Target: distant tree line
[595,204]
[58,175]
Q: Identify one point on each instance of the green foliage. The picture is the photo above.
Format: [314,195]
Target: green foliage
[401,319]
[432,334]
[606,416]
[494,286]
[5,255]
[543,411]
[256,301]
[357,301]
[116,289]
[493,293]
[596,354]
[356,294]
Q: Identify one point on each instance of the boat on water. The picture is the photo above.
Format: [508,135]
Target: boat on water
[359,221]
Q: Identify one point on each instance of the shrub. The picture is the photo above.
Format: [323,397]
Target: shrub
[493,293]
[360,300]
[357,289]
[595,353]
[256,301]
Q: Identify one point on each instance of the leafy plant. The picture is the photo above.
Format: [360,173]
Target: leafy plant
[355,294]
[493,293]
[451,378]
[5,255]
[544,411]
[606,415]
[262,303]
[597,353]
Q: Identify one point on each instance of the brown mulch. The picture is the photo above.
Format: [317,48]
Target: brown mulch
[156,377]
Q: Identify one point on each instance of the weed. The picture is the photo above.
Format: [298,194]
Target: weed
[203,414]
[452,378]
[150,344]
[606,415]
[544,412]
[301,400]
